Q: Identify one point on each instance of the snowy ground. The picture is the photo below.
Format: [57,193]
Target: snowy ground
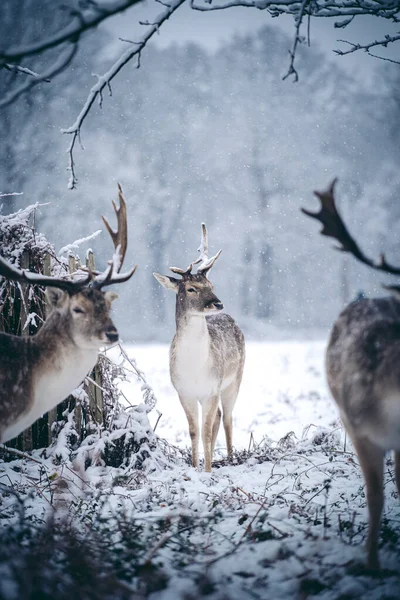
[283,390]
[286,520]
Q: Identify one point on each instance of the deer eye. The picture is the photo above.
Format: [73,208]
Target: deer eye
[192,290]
[78,310]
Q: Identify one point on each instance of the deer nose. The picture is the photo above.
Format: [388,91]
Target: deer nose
[112,334]
[218,305]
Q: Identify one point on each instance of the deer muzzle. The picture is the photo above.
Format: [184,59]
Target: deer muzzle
[215,303]
[112,334]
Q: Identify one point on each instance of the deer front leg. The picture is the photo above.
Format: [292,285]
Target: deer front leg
[191,410]
[210,409]
[371,461]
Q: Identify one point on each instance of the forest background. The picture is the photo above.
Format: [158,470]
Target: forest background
[213,134]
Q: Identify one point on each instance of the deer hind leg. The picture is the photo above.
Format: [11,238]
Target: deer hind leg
[228,399]
[371,461]
[191,410]
[209,429]
[215,430]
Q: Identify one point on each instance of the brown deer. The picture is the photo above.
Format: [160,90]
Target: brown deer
[38,372]
[206,356]
[362,366]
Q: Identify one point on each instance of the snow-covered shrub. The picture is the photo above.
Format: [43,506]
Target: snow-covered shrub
[84,429]
[22,246]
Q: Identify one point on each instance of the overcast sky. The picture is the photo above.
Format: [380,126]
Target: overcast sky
[211,29]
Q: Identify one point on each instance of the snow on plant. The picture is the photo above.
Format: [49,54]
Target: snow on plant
[124,437]
[284,522]
[77,243]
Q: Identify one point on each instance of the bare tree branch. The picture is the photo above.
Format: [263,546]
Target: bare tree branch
[59,65]
[105,80]
[297,39]
[387,9]
[389,39]
[24,70]
[88,18]
[349,9]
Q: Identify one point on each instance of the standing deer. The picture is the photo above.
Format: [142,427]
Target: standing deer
[38,372]
[206,356]
[362,366]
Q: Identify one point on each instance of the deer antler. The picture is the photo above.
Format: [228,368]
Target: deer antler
[182,272]
[205,262]
[334,227]
[119,237]
[8,271]
[120,241]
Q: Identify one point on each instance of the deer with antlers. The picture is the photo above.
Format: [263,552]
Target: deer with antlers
[38,372]
[362,366]
[206,356]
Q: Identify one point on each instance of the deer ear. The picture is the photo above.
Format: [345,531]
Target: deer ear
[110,297]
[56,298]
[170,283]
[394,290]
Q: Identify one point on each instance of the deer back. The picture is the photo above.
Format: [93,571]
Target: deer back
[362,362]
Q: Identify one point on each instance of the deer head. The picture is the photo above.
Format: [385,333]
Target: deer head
[80,303]
[195,295]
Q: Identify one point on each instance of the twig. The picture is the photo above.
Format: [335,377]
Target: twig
[59,65]
[22,455]
[88,18]
[105,80]
[159,417]
[296,40]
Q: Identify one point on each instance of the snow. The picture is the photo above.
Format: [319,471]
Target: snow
[283,390]
[285,520]
[69,247]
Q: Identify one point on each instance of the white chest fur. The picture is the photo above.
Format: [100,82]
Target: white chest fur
[192,370]
[53,386]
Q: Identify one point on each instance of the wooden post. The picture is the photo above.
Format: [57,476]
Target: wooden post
[52,414]
[95,393]
[71,263]
[27,435]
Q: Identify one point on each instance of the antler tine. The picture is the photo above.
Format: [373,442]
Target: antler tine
[182,271]
[334,227]
[203,248]
[205,262]
[120,236]
[8,271]
[112,274]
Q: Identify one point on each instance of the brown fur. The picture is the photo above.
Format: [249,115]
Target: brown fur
[362,364]
[66,336]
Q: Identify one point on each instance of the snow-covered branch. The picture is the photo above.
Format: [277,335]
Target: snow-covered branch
[105,80]
[67,249]
[388,9]
[89,16]
[24,70]
[57,67]
[389,39]
[349,9]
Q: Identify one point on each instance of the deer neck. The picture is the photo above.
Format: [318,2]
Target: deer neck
[192,329]
[191,358]
[62,365]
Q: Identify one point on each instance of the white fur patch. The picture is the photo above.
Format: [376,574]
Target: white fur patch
[53,387]
[192,376]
